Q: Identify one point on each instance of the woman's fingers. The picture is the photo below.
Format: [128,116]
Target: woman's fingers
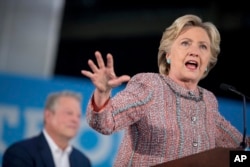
[99,59]
[110,61]
[87,73]
[92,66]
[118,81]
[100,62]
[104,75]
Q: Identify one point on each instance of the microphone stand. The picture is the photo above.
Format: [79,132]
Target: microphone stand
[243,143]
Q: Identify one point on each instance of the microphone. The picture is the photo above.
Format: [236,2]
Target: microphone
[227,87]
[231,88]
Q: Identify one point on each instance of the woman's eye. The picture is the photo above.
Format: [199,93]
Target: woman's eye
[184,43]
[204,47]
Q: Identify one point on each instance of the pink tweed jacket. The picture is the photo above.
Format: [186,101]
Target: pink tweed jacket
[162,121]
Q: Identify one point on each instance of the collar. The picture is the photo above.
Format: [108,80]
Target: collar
[183,92]
[53,146]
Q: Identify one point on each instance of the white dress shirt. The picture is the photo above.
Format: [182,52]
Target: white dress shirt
[61,157]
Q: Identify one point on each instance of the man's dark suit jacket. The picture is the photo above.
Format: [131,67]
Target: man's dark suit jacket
[35,152]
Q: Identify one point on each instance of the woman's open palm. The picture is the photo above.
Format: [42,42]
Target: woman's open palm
[103,76]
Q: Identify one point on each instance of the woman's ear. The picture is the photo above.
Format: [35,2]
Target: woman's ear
[168,60]
[166,55]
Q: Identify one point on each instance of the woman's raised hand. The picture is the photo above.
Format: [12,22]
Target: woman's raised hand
[103,76]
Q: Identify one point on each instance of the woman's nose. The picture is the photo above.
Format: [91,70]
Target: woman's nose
[194,51]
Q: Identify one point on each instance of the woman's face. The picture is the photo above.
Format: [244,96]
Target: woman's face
[190,54]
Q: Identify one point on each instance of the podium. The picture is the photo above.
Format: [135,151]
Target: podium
[217,157]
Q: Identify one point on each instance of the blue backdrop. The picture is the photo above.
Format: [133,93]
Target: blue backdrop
[21,114]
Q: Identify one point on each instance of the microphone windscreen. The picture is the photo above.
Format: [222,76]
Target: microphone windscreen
[226,87]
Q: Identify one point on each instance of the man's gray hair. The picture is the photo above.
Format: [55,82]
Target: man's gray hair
[54,96]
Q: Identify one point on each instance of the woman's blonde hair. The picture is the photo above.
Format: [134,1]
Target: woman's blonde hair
[173,31]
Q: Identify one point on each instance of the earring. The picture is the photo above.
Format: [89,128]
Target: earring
[168,61]
[206,69]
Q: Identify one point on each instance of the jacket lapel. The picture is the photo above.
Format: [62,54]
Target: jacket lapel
[72,161]
[45,152]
